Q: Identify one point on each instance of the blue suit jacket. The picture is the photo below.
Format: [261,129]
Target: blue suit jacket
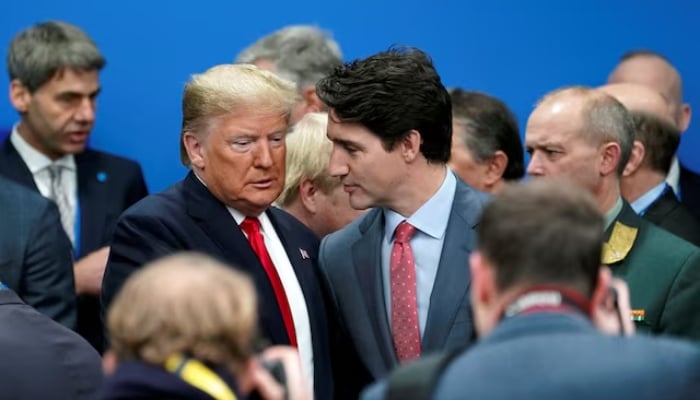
[188,217]
[42,359]
[107,185]
[361,346]
[561,356]
[35,253]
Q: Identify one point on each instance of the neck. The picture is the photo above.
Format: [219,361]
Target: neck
[639,183]
[298,211]
[547,298]
[420,183]
[497,187]
[29,136]
[607,196]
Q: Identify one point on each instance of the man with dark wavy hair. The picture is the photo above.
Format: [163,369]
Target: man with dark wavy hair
[395,279]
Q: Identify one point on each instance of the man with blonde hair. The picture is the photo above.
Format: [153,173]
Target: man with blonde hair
[184,326]
[235,119]
[310,193]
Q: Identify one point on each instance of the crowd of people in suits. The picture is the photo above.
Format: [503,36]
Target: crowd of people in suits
[343,228]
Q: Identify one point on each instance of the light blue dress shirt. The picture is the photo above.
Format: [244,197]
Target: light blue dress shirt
[430,221]
[642,203]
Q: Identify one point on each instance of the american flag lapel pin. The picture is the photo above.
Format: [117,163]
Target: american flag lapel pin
[304,254]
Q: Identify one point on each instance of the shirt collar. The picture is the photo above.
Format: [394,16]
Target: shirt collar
[35,160]
[432,217]
[644,201]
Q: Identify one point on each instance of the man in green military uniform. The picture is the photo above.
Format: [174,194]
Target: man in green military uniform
[585,135]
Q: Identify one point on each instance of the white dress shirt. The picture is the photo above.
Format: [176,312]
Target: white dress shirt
[38,165]
[292,289]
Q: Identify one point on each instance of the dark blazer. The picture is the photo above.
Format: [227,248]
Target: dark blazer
[42,359]
[35,253]
[689,182]
[668,213]
[188,217]
[107,185]
[361,345]
[663,275]
[562,356]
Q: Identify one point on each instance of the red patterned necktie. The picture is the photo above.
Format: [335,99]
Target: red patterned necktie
[404,308]
[251,226]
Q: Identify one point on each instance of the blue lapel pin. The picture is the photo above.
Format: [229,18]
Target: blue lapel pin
[101,176]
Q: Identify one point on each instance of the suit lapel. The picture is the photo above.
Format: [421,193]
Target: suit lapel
[453,279]
[91,203]
[662,207]
[629,218]
[13,166]
[215,220]
[367,259]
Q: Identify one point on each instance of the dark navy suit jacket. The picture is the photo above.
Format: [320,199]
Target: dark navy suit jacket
[689,183]
[107,185]
[188,217]
[554,356]
[40,359]
[35,253]
[361,345]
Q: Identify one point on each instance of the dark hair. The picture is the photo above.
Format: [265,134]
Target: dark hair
[489,126]
[38,53]
[660,139]
[391,93]
[544,231]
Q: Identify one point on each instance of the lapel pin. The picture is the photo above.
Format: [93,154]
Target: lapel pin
[101,176]
[304,254]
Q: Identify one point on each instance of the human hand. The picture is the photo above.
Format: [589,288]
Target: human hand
[259,379]
[89,270]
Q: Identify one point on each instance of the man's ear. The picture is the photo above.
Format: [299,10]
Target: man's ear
[20,97]
[410,145]
[496,164]
[195,149]
[307,195]
[636,158]
[610,158]
[686,114]
[483,284]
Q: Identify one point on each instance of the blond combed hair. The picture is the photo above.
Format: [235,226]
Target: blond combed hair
[232,89]
[308,154]
[186,303]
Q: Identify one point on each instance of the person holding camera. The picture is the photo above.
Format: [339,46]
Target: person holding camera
[538,292]
[185,327]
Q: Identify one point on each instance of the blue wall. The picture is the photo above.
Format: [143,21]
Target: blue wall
[515,50]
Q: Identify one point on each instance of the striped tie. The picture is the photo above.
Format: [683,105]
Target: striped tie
[59,196]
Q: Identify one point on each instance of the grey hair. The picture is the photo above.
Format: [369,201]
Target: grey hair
[605,119]
[38,53]
[301,53]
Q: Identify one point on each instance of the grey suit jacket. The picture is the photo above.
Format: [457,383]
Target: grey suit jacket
[35,253]
[350,261]
[554,356]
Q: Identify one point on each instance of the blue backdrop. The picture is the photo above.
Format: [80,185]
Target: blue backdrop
[515,50]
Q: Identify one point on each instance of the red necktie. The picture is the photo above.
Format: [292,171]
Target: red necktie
[404,308]
[251,226]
